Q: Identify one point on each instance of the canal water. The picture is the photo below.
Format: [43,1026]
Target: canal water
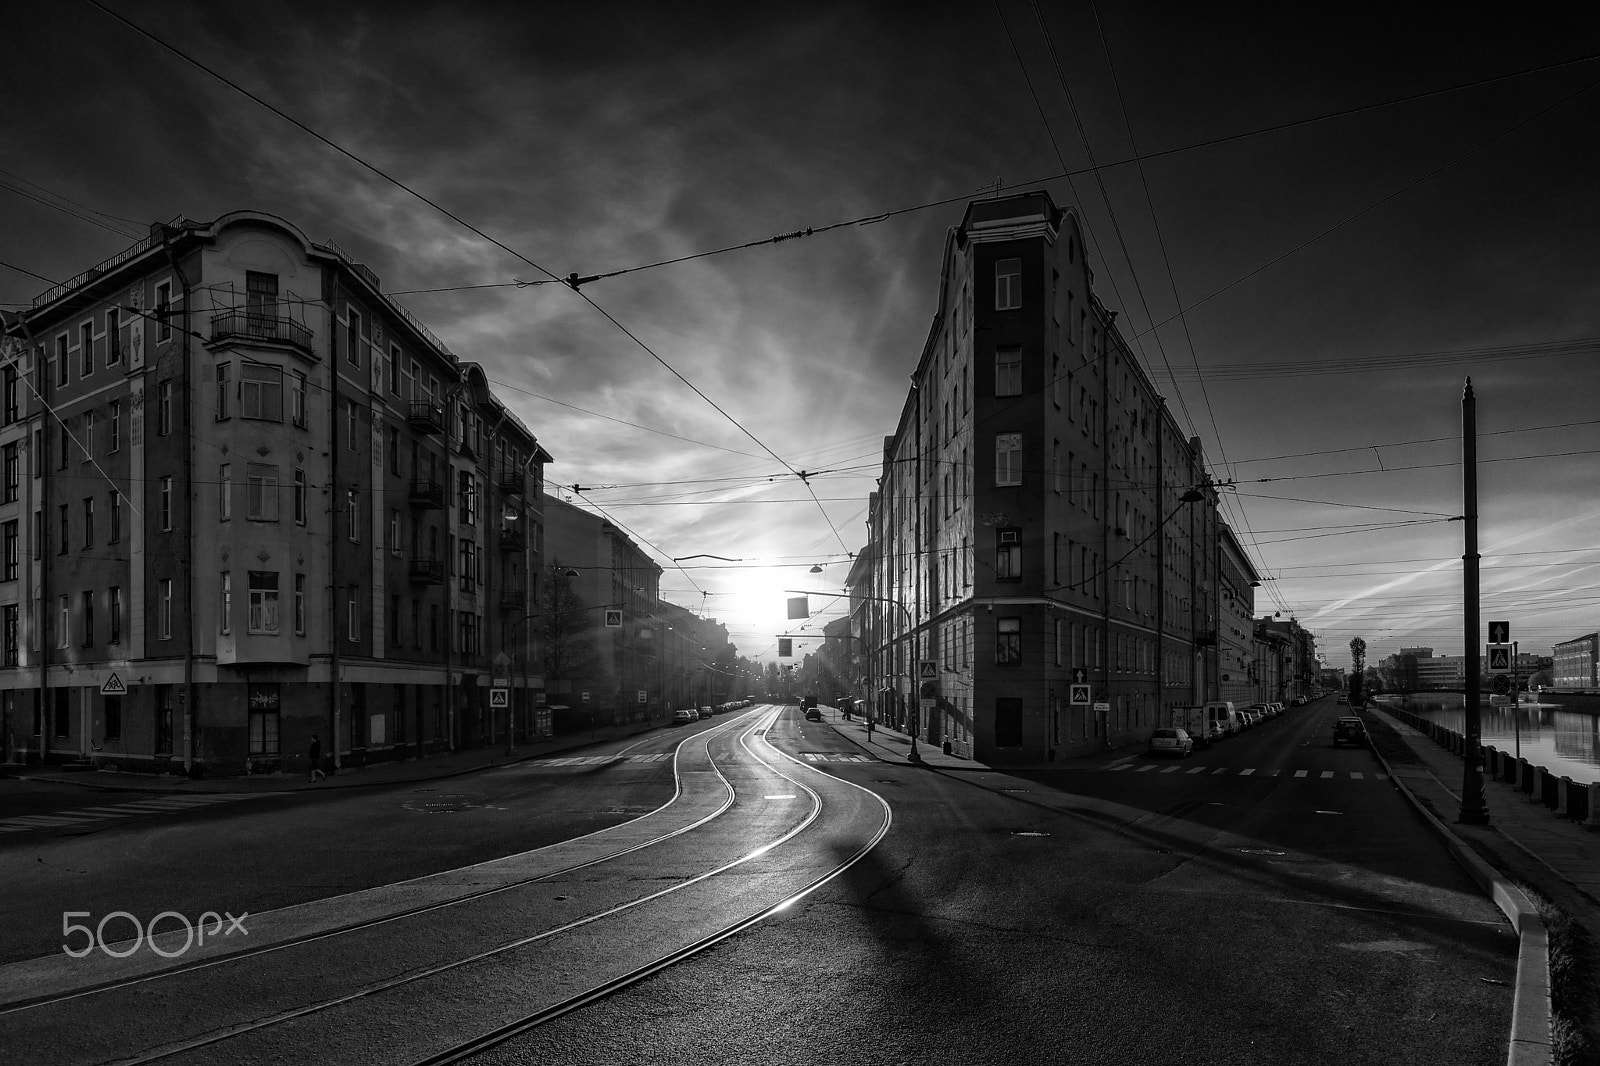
[1566,743]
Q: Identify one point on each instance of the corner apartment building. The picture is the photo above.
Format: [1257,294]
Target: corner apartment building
[249,498]
[1040,516]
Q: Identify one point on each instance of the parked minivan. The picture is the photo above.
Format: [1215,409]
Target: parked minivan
[1222,712]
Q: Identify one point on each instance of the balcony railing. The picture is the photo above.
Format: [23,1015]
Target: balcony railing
[427,571]
[510,482]
[255,325]
[513,538]
[514,599]
[427,493]
[425,416]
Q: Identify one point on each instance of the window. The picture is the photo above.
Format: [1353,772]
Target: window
[261,303]
[11,630]
[60,360]
[164,311]
[352,511]
[116,426]
[299,497]
[163,718]
[300,604]
[88,521]
[352,615]
[113,706]
[12,411]
[13,551]
[63,544]
[394,531]
[164,408]
[166,502]
[261,392]
[1008,372]
[113,336]
[353,338]
[86,349]
[116,615]
[226,606]
[88,436]
[394,369]
[88,618]
[353,425]
[1008,640]
[297,399]
[1008,554]
[416,624]
[1007,284]
[394,451]
[1008,459]
[265,701]
[164,610]
[13,472]
[263,601]
[261,492]
[224,388]
[469,565]
[114,516]
[466,498]
[225,492]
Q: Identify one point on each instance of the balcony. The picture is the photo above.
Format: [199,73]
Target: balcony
[510,482]
[257,326]
[426,493]
[512,538]
[514,599]
[427,571]
[428,417]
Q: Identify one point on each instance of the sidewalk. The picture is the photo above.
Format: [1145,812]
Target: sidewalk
[431,767]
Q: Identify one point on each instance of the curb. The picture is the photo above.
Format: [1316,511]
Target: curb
[1530,1041]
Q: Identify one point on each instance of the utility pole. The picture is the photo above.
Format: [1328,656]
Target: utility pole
[1474,805]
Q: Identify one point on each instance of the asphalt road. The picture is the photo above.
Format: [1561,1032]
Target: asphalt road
[1117,911]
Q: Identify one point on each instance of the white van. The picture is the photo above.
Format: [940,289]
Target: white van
[1226,718]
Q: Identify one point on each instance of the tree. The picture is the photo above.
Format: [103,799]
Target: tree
[570,655]
[1358,668]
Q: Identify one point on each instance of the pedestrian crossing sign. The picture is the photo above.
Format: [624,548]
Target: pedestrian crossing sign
[1078,695]
[499,697]
[1499,658]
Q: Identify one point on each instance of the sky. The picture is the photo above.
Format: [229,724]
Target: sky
[1315,228]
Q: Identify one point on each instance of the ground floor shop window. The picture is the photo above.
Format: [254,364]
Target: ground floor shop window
[265,704]
[63,713]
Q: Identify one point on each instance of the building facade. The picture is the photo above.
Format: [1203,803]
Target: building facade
[1577,664]
[1042,529]
[250,499]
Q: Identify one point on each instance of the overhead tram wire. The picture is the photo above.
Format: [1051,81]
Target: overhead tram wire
[573,280]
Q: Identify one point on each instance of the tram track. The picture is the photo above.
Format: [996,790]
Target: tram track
[241,1042]
[461,899]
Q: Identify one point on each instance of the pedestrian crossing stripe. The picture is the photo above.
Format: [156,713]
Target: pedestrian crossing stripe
[133,808]
[1322,775]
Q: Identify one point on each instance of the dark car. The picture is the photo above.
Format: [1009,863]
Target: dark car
[1349,731]
[813,713]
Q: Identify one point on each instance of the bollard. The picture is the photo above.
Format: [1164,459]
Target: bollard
[1521,781]
[1536,784]
[1592,820]
[1563,787]
[1491,761]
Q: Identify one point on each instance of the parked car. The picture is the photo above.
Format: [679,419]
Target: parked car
[683,715]
[813,713]
[1171,742]
[1349,730]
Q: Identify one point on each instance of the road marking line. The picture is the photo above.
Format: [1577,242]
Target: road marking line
[1299,773]
[1198,769]
[1327,774]
[1169,769]
[1144,769]
[1356,774]
[1220,770]
[1247,773]
[1123,766]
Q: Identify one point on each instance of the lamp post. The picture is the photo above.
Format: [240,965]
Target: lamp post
[913,755]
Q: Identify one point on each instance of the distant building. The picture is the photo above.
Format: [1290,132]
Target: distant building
[247,498]
[1040,516]
[1577,664]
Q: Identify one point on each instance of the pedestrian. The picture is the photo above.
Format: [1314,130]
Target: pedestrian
[316,758]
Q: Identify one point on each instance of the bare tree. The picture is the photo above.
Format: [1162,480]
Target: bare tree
[1358,668]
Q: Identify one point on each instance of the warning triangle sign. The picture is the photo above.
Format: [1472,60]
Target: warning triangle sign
[113,687]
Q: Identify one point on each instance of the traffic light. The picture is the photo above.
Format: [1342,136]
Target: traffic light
[785,647]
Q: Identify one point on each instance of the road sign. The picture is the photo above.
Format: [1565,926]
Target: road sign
[1499,657]
[927,670]
[1499,632]
[499,697]
[1102,708]
[113,687]
[1080,676]
[1500,685]
[613,619]
[1078,695]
